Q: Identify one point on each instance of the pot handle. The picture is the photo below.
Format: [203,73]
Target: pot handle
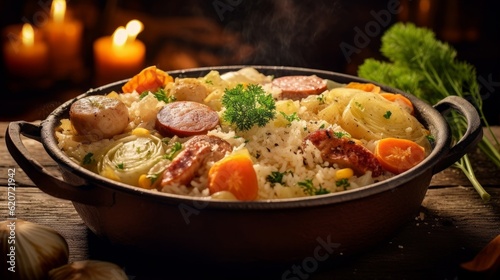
[471,137]
[45,181]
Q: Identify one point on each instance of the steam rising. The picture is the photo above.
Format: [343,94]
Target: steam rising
[286,32]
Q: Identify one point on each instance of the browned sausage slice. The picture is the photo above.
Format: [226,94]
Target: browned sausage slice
[298,87]
[185,118]
[345,152]
[196,153]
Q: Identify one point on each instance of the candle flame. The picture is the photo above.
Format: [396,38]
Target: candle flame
[58,10]
[120,37]
[28,35]
[133,27]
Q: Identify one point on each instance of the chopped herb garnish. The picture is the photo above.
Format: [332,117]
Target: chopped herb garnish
[275,177]
[359,105]
[173,151]
[290,118]
[343,183]
[160,95]
[321,99]
[309,189]
[321,191]
[307,186]
[120,166]
[88,159]
[152,177]
[340,134]
[431,139]
[388,114]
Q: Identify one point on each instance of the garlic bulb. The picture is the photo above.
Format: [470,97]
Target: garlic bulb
[88,269]
[30,250]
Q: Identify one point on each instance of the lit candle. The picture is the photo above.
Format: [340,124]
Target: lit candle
[119,56]
[64,39]
[25,55]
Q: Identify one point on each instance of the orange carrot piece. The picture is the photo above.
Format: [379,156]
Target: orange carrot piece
[488,259]
[398,155]
[364,86]
[396,97]
[234,173]
[150,78]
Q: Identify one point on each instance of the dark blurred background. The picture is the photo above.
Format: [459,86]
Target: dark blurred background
[195,33]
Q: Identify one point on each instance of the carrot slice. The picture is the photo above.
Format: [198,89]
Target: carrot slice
[150,78]
[364,86]
[401,99]
[488,259]
[234,173]
[398,155]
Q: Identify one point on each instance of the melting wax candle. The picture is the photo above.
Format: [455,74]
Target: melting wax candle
[64,36]
[119,56]
[25,55]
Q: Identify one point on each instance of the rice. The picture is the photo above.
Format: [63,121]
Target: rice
[274,148]
[281,149]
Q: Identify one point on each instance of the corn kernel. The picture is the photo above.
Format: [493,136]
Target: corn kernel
[113,94]
[144,182]
[344,173]
[139,131]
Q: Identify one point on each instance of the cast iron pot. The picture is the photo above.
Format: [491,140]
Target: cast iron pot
[287,230]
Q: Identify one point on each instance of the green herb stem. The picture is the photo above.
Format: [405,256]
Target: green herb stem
[466,167]
[490,151]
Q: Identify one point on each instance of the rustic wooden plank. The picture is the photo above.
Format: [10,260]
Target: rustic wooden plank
[452,226]
[486,172]
[35,206]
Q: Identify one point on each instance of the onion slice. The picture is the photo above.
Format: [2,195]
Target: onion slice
[128,158]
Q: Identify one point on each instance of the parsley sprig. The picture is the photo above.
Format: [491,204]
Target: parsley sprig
[160,95]
[247,107]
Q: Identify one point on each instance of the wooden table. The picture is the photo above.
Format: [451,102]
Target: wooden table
[452,226]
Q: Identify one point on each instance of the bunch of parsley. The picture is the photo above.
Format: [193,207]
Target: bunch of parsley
[420,64]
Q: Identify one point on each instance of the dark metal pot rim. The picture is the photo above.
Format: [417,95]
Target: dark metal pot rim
[433,120]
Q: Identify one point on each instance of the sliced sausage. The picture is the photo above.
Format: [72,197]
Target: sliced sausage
[299,87]
[99,116]
[345,152]
[185,118]
[196,153]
